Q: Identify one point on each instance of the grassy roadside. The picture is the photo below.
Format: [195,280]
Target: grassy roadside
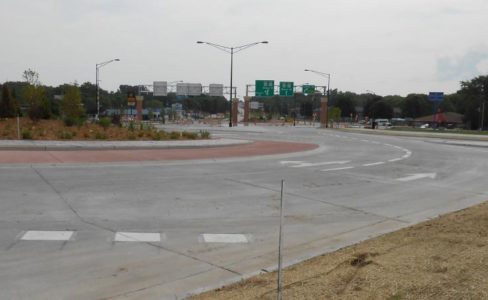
[445,258]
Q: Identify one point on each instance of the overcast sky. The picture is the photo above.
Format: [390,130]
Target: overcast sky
[384,46]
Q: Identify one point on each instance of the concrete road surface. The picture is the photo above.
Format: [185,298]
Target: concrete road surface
[164,229]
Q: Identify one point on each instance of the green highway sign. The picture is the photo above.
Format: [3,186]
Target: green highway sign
[286,88]
[308,89]
[264,88]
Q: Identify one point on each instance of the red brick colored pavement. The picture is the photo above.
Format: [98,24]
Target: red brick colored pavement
[92,156]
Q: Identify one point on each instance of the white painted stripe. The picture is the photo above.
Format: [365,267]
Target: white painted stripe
[286,162]
[137,237]
[374,164]
[366,141]
[224,238]
[337,169]
[302,165]
[395,159]
[418,176]
[35,235]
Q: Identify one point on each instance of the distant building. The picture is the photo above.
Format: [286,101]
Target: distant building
[447,119]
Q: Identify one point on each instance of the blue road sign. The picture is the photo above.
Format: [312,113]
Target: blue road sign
[436,96]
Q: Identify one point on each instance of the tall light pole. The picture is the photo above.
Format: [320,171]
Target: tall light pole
[231,50]
[98,66]
[328,89]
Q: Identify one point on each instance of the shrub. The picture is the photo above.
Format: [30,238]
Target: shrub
[131,126]
[174,135]
[26,134]
[104,123]
[189,135]
[100,136]
[73,121]
[204,134]
[65,135]
[116,120]
[156,136]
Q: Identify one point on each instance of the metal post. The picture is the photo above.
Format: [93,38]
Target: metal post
[280,245]
[231,91]
[18,126]
[482,115]
[98,93]
[328,101]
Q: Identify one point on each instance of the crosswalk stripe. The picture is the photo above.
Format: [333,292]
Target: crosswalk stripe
[39,235]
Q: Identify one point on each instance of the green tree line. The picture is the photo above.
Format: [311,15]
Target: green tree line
[30,97]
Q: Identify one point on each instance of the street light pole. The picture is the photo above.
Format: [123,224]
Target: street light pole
[328,89]
[97,67]
[231,51]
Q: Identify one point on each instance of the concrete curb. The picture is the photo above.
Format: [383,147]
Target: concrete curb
[444,136]
[23,145]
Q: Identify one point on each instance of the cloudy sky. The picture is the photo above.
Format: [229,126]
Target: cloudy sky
[384,46]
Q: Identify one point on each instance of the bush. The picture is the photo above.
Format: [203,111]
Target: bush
[156,136]
[189,135]
[131,126]
[174,135]
[100,136]
[104,123]
[26,134]
[204,134]
[65,135]
[72,121]
[116,120]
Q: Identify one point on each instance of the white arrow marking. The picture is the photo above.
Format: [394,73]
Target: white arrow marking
[305,164]
[418,176]
[337,169]
[287,162]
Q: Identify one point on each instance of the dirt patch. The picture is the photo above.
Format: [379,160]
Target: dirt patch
[445,258]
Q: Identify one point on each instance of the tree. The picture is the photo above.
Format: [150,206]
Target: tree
[416,105]
[8,104]
[381,109]
[32,77]
[334,114]
[474,93]
[39,105]
[345,103]
[71,106]
[370,101]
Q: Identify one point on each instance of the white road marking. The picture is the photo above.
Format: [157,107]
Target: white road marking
[287,162]
[34,235]
[305,164]
[224,238]
[137,237]
[395,159]
[418,176]
[337,169]
[374,164]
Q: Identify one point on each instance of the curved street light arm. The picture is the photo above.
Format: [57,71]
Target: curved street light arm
[317,72]
[243,47]
[220,47]
[106,62]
